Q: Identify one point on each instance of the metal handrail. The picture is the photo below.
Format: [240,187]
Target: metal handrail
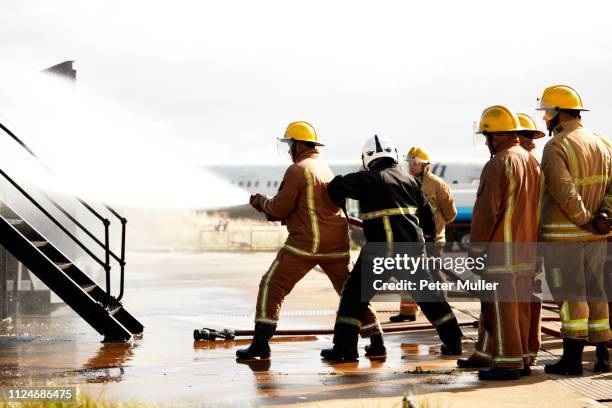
[121,261]
[106,222]
[53,219]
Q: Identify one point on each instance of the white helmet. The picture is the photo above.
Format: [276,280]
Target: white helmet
[377,147]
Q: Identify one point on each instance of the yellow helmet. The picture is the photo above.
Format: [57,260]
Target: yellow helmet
[559,97]
[302,131]
[418,154]
[528,123]
[498,119]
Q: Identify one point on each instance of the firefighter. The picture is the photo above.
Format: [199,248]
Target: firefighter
[527,137]
[318,235]
[439,196]
[394,211]
[504,230]
[575,225]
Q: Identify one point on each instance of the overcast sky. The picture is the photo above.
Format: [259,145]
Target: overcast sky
[227,76]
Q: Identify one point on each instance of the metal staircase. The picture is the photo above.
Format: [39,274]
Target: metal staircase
[92,302]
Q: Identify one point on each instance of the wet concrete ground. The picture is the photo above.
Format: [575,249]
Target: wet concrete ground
[173,293]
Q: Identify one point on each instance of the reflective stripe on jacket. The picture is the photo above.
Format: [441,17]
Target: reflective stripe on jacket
[315,224]
[577,166]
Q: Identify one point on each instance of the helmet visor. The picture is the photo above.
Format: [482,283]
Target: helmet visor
[283,149]
[479,140]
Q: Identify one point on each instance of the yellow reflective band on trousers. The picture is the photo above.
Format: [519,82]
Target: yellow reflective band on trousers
[498,324]
[299,251]
[571,325]
[597,325]
[371,326]
[267,321]
[348,320]
[314,221]
[389,211]
[485,344]
[264,293]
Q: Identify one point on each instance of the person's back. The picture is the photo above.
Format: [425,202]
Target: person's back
[392,204]
[584,158]
[509,192]
[315,224]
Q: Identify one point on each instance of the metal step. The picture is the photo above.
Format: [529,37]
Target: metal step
[114,310]
[15,221]
[63,265]
[88,288]
[39,244]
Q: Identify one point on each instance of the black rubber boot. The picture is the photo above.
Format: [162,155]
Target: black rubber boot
[602,365]
[259,346]
[571,360]
[499,374]
[471,363]
[451,349]
[345,344]
[402,318]
[526,371]
[450,334]
[376,348]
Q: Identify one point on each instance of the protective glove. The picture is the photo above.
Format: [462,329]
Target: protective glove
[270,217]
[602,224]
[257,201]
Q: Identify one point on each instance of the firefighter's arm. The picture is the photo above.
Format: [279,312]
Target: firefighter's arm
[602,221]
[560,186]
[281,205]
[606,206]
[348,186]
[446,203]
[487,208]
[427,221]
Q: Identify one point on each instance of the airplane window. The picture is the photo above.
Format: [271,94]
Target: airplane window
[257,183]
[248,184]
[241,183]
[269,183]
[276,184]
